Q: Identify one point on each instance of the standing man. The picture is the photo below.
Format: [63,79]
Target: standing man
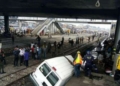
[44,48]
[62,42]
[49,48]
[82,39]
[93,37]
[88,58]
[38,39]
[77,64]
[26,58]
[1,64]
[22,51]
[3,56]
[16,56]
[13,38]
[88,39]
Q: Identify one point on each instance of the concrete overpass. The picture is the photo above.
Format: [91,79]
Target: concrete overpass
[86,22]
[107,9]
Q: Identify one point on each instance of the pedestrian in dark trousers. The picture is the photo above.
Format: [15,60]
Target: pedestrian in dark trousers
[16,55]
[3,55]
[78,40]
[38,39]
[49,48]
[72,43]
[82,39]
[1,64]
[62,42]
[13,38]
[58,46]
[93,37]
[44,48]
[26,58]
[53,50]
[55,45]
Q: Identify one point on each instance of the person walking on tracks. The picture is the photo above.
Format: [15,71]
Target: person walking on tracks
[77,64]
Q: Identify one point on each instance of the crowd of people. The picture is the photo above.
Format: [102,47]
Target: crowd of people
[105,55]
[36,51]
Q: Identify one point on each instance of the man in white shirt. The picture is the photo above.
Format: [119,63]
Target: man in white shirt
[32,45]
[22,51]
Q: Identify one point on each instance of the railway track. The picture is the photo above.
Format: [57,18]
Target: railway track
[20,78]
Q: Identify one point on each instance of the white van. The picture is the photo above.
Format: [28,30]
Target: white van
[53,72]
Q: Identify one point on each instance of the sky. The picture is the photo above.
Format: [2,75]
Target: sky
[106,26]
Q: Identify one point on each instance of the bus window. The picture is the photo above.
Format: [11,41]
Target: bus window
[44,69]
[52,78]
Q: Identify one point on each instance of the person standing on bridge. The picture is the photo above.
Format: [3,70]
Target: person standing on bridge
[77,64]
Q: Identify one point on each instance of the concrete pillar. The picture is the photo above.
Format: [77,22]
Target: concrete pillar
[6,22]
[50,28]
[117,32]
[117,38]
[53,28]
